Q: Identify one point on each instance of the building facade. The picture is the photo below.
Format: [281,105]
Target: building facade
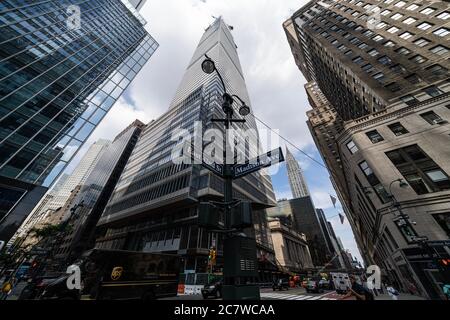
[296,178]
[64,64]
[62,195]
[383,68]
[88,205]
[302,215]
[291,247]
[154,205]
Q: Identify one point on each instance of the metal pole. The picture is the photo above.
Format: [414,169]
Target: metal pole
[228,186]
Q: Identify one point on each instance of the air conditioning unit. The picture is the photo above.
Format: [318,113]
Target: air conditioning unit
[439,121]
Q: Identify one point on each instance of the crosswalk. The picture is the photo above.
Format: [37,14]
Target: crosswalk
[281,296]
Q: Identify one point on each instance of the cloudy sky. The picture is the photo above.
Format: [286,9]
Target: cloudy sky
[274,83]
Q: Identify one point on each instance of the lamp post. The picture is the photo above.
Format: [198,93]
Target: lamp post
[230,289]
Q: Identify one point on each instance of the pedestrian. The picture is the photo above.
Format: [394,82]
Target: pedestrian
[393,293]
[358,291]
[446,289]
[6,289]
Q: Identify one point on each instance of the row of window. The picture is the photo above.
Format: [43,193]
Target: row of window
[418,169]
[398,129]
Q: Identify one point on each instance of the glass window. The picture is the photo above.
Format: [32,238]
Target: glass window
[424,26]
[397,129]
[433,91]
[385,60]
[421,42]
[413,78]
[70,149]
[441,32]
[389,44]
[352,147]
[443,15]
[393,29]
[400,4]
[398,68]
[409,20]
[403,50]
[412,7]
[374,136]
[406,35]
[432,118]
[409,100]
[373,52]
[428,11]
[418,59]
[440,50]
[437,175]
[385,12]
[394,87]
[443,219]
[378,38]
[421,172]
[437,69]
[358,60]
[397,16]
[379,77]
[85,131]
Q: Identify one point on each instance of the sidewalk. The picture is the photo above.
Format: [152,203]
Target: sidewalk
[402,296]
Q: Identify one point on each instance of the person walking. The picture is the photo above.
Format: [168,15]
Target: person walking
[446,289]
[357,291]
[393,293]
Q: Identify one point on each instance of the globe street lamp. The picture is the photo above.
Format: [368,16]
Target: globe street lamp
[231,288]
[208,67]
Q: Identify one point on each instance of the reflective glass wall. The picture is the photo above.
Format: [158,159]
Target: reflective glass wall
[59,79]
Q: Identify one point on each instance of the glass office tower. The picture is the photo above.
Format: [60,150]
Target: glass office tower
[63,64]
[154,205]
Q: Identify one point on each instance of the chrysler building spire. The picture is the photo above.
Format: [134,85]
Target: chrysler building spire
[297,181]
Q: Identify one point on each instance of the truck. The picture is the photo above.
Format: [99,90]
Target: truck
[120,274]
[341,282]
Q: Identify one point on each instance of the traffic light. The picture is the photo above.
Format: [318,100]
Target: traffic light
[208,216]
[241,215]
[444,262]
[212,255]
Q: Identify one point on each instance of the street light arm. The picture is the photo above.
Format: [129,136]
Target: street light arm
[218,73]
[242,101]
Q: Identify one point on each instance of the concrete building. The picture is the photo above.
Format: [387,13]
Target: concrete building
[382,67]
[64,65]
[296,178]
[154,205]
[291,247]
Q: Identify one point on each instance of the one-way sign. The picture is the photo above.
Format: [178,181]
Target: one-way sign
[262,161]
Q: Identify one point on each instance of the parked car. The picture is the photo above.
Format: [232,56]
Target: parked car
[57,289]
[324,284]
[281,284]
[212,289]
[313,286]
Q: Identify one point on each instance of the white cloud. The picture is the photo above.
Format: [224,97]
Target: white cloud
[274,83]
[321,199]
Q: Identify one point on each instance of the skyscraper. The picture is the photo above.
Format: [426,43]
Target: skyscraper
[296,178]
[62,191]
[304,218]
[64,64]
[94,194]
[382,67]
[154,205]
